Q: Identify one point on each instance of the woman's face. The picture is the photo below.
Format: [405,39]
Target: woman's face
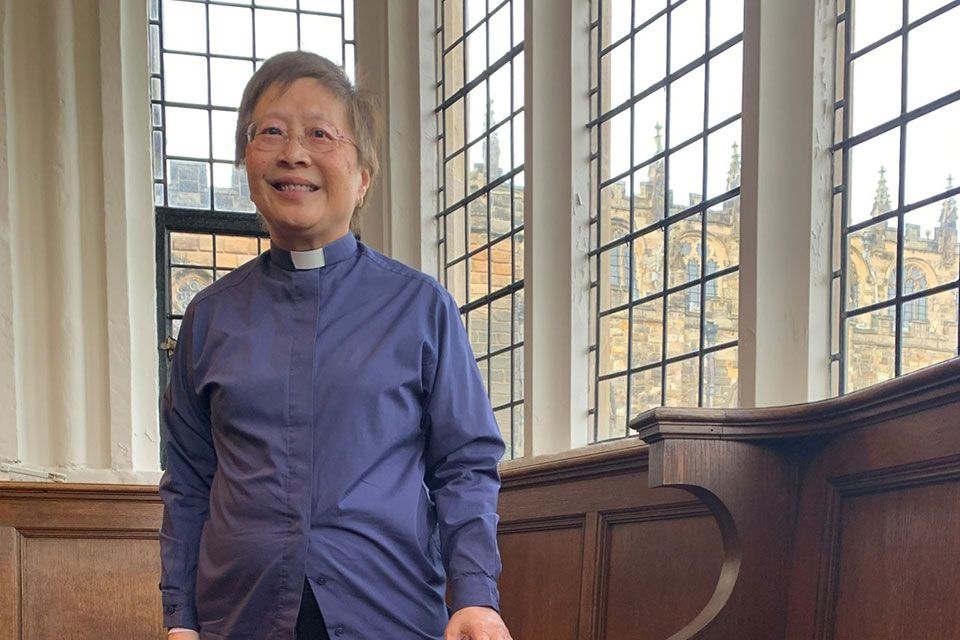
[305,197]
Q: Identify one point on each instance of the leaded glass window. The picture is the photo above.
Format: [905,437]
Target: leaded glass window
[480,119]
[665,109]
[896,154]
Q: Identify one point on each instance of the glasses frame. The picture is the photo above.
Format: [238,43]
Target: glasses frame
[335,136]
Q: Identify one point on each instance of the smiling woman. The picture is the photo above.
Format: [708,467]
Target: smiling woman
[306,193]
[321,394]
[291,91]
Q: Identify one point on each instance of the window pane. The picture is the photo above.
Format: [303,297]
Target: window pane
[682,383]
[227,79]
[873,19]
[726,84]
[876,86]
[184,26]
[321,35]
[930,334]
[930,46]
[870,353]
[185,78]
[188,132]
[276,32]
[231,31]
[185,284]
[189,184]
[720,374]
[874,176]
[933,153]
[231,192]
[688,33]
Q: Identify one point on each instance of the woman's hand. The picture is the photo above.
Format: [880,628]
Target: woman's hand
[186,634]
[476,623]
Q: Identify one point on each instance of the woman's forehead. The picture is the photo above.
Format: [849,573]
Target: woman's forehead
[304,98]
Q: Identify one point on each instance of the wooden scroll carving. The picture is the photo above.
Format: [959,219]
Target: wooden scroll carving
[839,519]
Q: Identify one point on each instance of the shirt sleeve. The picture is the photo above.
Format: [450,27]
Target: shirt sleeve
[462,451]
[185,484]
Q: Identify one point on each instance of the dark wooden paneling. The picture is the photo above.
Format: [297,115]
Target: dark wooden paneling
[540,583]
[898,565]
[838,518]
[88,589]
[9,584]
[646,562]
[659,573]
[79,562]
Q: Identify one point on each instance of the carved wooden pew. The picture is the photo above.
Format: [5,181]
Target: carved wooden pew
[840,519]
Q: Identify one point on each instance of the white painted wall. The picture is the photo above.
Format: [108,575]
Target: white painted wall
[785,202]
[78,385]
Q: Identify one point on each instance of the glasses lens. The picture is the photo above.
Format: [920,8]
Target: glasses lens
[266,136]
[319,138]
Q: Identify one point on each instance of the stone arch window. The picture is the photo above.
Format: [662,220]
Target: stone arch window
[914,310]
[619,264]
[853,289]
[693,293]
[711,285]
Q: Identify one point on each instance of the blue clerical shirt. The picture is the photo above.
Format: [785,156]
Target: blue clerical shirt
[328,423]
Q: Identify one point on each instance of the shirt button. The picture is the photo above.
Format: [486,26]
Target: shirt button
[339,630]
[322,580]
[169,609]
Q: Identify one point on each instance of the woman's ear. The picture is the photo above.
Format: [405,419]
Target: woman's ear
[364,185]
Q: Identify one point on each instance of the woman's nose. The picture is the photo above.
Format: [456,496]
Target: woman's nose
[293,151]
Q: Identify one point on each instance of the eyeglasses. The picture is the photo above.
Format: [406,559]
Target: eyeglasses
[316,138]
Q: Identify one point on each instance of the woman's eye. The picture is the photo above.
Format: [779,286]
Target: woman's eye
[320,133]
[271,131]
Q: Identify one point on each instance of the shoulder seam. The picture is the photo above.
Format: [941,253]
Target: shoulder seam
[408,272]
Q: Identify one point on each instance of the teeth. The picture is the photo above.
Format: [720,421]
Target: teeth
[296,187]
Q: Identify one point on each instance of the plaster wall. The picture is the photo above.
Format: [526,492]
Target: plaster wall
[784,292]
[77,261]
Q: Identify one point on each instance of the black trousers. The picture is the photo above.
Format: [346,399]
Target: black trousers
[310,625]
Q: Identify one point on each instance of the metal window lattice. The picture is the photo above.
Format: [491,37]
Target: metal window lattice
[895,274]
[664,329]
[479,111]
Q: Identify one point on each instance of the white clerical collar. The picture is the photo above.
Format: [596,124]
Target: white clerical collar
[311,259]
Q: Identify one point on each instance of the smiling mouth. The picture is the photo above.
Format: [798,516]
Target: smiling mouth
[286,186]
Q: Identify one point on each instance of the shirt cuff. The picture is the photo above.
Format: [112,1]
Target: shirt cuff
[474,590]
[179,616]
[178,629]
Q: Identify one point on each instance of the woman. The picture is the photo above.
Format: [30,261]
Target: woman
[331,453]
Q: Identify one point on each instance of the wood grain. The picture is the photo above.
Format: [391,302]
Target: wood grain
[658,573]
[540,583]
[9,584]
[88,588]
[838,518]
[79,562]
